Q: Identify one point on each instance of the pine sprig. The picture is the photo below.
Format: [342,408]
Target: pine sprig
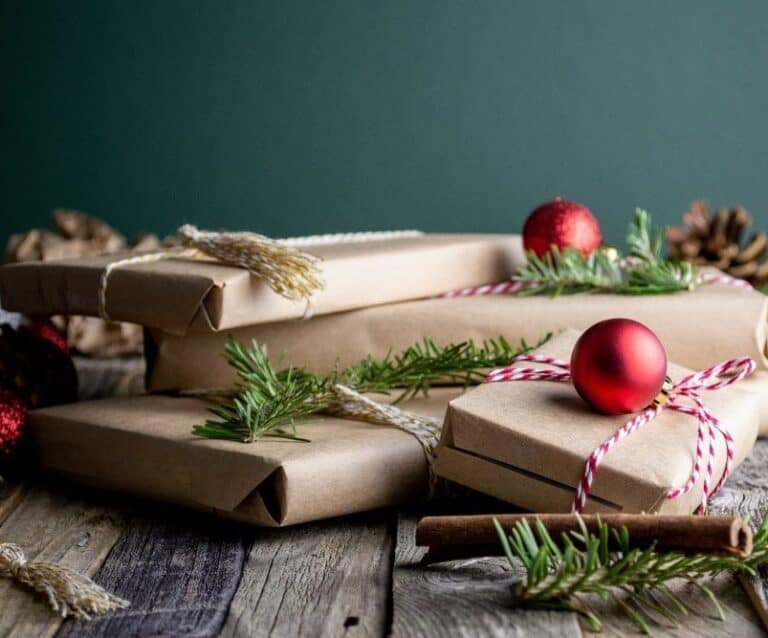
[642,272]
[560,575]
[269,402]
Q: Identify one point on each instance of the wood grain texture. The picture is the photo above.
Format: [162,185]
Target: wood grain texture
[462,598]
[741,619]
[56,526]
[10,496]
[179,570]
[746,493]
[470,597]
[326,579]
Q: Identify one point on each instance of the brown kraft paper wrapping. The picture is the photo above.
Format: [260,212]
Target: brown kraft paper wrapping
[144,446]
[181,295]
[526,442]
[698,329]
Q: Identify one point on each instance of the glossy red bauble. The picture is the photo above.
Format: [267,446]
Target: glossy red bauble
[563,224]
[618,366]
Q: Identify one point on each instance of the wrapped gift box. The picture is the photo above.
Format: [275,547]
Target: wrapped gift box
[145,446]
[181,295]
[735,325]
[698,329]
[526,442]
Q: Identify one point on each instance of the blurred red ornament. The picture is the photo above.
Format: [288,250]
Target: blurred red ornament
[618,366]
[35,369]
[563,224]
[13,418]
[46,330]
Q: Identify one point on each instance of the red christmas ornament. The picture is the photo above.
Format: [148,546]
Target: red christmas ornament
[46,330]
[563,224]
[13,418]
[618,366]
[35,369]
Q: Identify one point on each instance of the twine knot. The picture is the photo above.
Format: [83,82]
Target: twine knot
[188,232]
[12,560]
[289,271]
[351,404]
[68,592]
[681,396]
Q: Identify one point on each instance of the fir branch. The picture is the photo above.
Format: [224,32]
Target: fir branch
[269,402]
[643,271]
[644,240]
[559,575]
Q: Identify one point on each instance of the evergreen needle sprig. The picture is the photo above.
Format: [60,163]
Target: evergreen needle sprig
[268,402]
[560,575]
[643,271]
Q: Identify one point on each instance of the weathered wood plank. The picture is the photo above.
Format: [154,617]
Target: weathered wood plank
[326,579]
[741,619]
[179,570]
[746,493]
[56,526]
[471,597]
[462,598]
[10,496]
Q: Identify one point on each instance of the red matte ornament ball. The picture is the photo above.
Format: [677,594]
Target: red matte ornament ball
[13,418]
[563,224]
[618,366]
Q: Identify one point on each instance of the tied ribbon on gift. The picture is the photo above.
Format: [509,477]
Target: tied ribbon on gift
[290,272]
[512,287]
[351,404]
[681,396]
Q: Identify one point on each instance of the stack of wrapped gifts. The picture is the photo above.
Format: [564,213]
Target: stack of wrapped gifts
[379,294]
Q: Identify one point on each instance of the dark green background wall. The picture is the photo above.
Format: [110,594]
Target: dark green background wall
[305,116]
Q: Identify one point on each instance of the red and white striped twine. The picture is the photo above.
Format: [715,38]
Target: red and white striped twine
[511,287]
[688,387]
[502,288]
[722,278]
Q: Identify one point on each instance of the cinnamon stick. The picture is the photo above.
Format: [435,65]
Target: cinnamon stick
[452,537]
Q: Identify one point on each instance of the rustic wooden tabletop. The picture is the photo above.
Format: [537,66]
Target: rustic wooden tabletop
[188,574]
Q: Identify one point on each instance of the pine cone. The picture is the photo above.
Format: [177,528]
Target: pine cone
[719,240]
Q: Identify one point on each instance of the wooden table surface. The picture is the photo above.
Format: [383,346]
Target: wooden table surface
[188,574]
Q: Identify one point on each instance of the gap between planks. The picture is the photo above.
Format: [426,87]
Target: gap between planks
[330,578]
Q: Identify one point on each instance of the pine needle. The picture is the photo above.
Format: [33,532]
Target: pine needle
[269,402]
[643,272]
[559,575]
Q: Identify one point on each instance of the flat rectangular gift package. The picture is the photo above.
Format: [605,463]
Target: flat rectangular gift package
[181,295]
[523,442]
[526,442]
[145,446]
[698,329]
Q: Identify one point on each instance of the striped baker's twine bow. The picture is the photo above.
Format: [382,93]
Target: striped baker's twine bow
[512,287]
[673,397]
[290,272]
